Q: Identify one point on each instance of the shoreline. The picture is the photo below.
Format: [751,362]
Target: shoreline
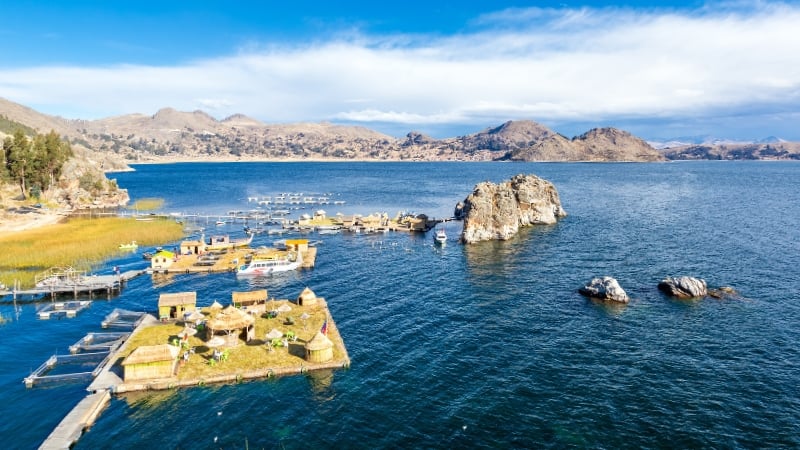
[11,223]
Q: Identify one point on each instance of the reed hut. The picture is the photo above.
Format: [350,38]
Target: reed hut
[251,300]
[163,259]
[173,306]
[150,361]
[233,322]
[307,298]
[216,306]
[319,349]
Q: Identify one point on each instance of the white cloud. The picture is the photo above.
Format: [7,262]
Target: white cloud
[580,65]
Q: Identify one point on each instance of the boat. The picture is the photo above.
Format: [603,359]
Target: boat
[440,237]
[130,246]
[266,266]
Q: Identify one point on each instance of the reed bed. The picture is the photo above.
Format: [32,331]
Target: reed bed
[147,204]
[79,243]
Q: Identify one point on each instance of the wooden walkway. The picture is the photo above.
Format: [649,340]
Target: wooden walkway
[82,416]
[87,285]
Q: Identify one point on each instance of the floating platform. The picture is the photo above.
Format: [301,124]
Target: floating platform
[42,373]
[222,262]
[122,318]
[99,341]
[85,285]
[63,309]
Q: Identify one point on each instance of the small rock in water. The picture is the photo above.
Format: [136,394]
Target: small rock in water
[683,287]
[605,288]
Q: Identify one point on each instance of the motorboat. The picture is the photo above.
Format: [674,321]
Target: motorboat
[440,237]
[266,266]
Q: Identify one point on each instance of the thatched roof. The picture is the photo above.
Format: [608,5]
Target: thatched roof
[231,318]
[177,298]
[151,353]
[319,342]
[249,297]
[284,308]
[215,305]
[307,294]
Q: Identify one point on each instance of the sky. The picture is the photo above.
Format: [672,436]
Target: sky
[660,70]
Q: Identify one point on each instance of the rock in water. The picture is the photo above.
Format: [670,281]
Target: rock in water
[496,211]
[605,288]
[683,287]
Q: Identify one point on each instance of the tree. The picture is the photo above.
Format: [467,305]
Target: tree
[18,159]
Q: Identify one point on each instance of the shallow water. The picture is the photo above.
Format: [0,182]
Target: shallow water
[483,346]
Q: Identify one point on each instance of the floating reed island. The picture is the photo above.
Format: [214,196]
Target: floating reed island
[253,337]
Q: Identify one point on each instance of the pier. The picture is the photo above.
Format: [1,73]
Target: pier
[75,285]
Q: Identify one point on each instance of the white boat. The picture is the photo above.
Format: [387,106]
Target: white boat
[440,237]
[258,266]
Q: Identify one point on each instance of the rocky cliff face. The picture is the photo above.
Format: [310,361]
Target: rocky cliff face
[497,211]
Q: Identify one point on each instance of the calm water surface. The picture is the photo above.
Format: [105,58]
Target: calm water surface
[486,346]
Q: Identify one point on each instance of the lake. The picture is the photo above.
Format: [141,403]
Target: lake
[480,346]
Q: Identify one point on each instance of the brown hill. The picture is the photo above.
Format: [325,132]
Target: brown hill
[170,135]
[598,144]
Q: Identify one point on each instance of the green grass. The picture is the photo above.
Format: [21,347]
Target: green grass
[79,243]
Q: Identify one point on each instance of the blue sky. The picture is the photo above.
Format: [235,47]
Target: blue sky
[657,69]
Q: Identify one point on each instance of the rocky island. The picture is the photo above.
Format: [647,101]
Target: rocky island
[497,211]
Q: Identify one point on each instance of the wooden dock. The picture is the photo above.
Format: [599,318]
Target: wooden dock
[88,285]
[225,262]
[67,433]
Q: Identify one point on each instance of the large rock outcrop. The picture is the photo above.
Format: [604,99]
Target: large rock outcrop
[606,289]
[496,211]
[683,287]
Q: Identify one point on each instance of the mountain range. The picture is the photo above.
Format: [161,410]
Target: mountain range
[171,135]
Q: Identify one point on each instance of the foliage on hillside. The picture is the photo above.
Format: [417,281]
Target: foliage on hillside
[34,164]
[8,126]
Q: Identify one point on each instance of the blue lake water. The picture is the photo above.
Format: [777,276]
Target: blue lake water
[482,346]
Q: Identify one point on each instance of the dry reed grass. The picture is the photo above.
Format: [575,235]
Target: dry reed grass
[79,243]
[147,204]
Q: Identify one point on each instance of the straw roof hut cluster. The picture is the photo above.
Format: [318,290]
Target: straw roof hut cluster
[233,322]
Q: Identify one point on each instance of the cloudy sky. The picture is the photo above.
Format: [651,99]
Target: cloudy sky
[657,69]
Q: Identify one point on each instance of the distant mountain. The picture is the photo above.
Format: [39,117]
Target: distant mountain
[778,151]
[171,135]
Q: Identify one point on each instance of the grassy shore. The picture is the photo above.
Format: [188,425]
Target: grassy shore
[79,243]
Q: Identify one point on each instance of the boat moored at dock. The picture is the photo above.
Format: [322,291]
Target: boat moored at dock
[265,266]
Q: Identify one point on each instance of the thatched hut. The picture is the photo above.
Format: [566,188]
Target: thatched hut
[151,361]
[252,300]
[172,306]
[319,349]
[233,322]
[307,298]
